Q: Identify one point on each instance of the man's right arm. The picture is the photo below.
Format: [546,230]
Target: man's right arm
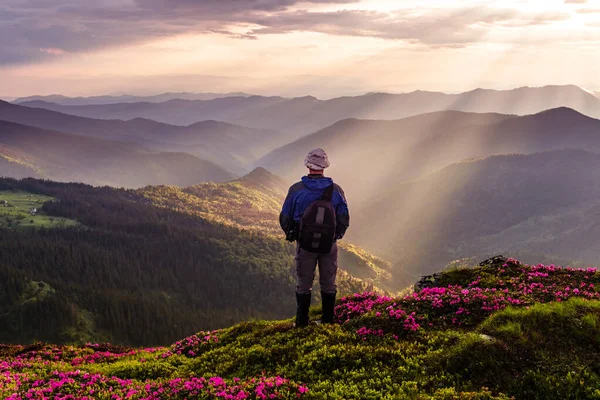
[286,218]
[287,213]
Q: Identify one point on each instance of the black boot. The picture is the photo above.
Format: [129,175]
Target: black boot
[328,306]
[303,305]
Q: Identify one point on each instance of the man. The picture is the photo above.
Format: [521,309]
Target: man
[317,198]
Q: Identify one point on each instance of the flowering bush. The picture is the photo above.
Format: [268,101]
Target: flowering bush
[74,385]
[358,304]
[466,305]
[47,372]
[194,344]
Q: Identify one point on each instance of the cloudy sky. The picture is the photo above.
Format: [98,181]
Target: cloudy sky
[321,47]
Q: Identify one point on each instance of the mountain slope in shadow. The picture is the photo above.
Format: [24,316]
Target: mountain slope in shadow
[546,204]
[233,147]
[65,157]
[367,155]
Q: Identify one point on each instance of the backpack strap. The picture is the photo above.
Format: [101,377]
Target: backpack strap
[328,193]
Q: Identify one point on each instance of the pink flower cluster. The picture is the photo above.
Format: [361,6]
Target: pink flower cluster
[89,354]
[358,304]
[495,288]
[364,332]
[80,385]
[193,345]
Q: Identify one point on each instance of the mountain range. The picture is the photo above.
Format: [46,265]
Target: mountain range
[304,115]
[408,203]
[191,245]
[74,101]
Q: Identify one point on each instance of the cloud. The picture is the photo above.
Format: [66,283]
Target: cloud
[444,27]
[61,27]
[588,10]
[54,51]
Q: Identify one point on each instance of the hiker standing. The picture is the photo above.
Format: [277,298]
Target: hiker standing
[315,215]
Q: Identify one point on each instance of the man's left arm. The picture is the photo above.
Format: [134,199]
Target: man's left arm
[342,214]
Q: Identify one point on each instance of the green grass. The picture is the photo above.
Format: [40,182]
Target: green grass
[16,214]
[541,348]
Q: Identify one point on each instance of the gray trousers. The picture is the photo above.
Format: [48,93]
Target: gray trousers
[306,263]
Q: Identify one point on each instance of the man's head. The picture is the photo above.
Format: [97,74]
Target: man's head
[316,161]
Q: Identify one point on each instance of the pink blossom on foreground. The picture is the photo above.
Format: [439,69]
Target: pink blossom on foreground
[358,304]
[511,284]
[45,372]
[80,385]
[195,344]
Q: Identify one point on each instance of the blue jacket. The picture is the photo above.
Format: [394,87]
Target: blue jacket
[303,193]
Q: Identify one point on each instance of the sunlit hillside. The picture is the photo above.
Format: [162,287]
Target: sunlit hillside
[253,203]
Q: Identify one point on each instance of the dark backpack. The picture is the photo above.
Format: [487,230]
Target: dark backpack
[317,226]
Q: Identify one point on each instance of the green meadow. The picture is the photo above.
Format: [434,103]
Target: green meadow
[15,211]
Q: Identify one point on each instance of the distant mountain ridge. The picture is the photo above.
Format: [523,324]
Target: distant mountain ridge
[34,152]
[174,112]
[232,147]
[96,100]
[304,115]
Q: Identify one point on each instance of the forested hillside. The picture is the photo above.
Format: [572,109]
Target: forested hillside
[136,273]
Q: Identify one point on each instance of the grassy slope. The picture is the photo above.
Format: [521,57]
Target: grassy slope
[254,203]
[491,332]
[16,214]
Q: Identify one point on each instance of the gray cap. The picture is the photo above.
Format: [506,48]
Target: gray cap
[317,160]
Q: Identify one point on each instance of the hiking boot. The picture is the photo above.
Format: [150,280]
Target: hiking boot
[302,308]
[328,307]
